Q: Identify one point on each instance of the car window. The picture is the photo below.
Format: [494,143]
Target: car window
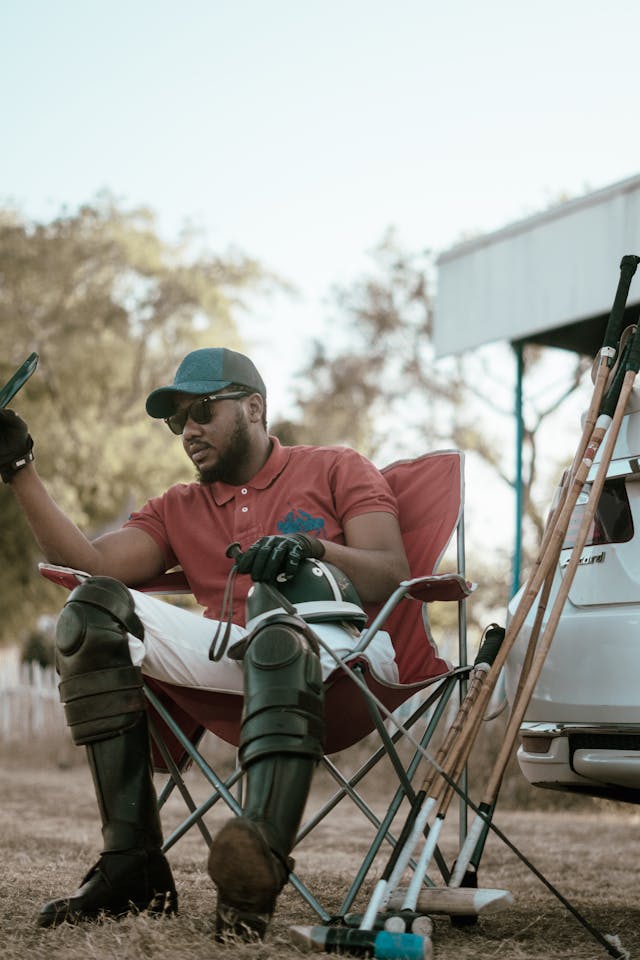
[612,522]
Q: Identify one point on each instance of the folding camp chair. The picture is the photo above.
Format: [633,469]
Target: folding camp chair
[430,494]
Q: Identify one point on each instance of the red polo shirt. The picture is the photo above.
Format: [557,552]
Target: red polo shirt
[302,489]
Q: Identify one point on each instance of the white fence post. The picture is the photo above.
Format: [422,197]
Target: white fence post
[30,705]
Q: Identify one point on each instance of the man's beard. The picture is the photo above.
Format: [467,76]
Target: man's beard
[232,459]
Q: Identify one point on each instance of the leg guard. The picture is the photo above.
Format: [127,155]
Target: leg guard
[282,727]
[100,688]
[106,710]
[280,744]
[283,692]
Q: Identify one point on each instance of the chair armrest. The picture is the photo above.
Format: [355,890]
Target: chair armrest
[444,586]
[64,576]
[173,582]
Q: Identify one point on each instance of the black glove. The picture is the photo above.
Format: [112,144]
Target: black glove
[269,556]
[16,446]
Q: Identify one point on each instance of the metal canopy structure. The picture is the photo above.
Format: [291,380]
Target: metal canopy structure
[549,279]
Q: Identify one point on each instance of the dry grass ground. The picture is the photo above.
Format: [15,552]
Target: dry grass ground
[49,836]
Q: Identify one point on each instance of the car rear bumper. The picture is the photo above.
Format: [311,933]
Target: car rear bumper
[602,760]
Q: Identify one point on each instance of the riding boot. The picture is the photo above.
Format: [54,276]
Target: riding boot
[249,860]
[281,742]
[105,709]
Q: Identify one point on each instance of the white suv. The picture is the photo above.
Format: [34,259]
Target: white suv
[581,731]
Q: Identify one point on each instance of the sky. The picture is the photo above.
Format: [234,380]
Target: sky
[300,132]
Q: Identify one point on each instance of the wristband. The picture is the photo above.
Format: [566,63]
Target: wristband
[9,470]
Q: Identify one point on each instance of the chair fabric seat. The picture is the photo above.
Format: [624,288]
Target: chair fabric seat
[347,719]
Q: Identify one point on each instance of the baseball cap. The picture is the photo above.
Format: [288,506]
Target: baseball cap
[205,371]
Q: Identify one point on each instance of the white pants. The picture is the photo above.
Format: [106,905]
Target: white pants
[176,648]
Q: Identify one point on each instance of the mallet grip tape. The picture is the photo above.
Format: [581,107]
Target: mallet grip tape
[628,267]
[490,645]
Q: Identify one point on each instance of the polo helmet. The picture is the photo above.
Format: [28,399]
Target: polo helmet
[319,591]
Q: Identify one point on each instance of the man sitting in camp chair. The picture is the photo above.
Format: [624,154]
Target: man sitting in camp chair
[289,509]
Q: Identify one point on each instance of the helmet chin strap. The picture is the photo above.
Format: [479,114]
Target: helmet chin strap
[220,643]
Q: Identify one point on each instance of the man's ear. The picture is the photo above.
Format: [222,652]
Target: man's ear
[256,407]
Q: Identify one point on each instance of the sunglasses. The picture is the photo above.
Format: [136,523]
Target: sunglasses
[200,410]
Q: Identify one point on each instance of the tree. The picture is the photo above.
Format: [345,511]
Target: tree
[375,384]
[111,309]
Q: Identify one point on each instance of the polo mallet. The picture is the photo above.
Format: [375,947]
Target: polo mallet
[609,423]
[454,762]
[463,902]
[447,792]
[424,803]
[362,943]
[18,380]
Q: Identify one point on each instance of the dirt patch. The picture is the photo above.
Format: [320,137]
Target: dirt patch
[50,836]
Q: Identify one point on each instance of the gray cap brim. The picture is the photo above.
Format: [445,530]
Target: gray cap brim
[203,371]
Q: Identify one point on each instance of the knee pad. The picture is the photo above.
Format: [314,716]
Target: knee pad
[99,686]
[283,692]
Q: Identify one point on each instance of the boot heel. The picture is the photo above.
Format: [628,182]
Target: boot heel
[248,878]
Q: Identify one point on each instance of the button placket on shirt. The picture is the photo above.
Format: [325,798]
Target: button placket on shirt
[246,526]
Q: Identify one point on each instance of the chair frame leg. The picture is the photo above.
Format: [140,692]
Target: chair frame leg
[347,787]
[222,792]
[442,695]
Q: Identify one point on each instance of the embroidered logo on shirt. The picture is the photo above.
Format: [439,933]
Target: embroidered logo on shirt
[299,521]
